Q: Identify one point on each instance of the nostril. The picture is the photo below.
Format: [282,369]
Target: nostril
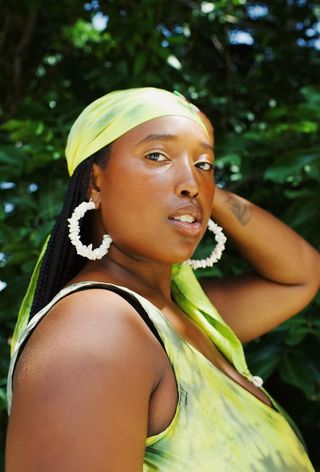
[187,193]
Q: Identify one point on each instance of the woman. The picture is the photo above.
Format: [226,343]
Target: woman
[132,367]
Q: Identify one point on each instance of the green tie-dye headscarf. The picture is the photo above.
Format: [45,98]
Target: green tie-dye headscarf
[100,123]
[112,115]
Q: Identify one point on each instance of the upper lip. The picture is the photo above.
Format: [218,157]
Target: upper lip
[191,210]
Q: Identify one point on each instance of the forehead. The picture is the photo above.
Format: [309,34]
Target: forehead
[177,126]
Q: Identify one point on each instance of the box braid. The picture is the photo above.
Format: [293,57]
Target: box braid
[61,262]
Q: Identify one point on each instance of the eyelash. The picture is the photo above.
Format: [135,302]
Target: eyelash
[206,163]
[197,163]
[156,160]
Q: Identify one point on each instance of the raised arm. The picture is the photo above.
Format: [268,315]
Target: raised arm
[286,273]
[82,388]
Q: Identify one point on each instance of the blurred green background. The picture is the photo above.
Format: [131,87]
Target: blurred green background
[253,67]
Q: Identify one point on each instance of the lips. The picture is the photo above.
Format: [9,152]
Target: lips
[187,219]
[190,210]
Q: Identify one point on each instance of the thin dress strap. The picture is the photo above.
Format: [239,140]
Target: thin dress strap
[33,322]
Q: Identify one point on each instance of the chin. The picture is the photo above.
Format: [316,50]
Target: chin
[168,253]
[179,259]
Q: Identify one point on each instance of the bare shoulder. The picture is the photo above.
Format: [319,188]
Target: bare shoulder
[82,387]
[90,324]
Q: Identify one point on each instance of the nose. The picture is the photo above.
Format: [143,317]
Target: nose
[187,184]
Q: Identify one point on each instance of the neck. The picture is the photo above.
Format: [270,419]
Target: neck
[149,277]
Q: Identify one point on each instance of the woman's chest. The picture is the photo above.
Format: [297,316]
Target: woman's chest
[164,399]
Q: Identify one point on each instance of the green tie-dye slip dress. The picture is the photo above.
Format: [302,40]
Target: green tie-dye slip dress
[218,426]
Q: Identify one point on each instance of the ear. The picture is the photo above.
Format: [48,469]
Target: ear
[94,185]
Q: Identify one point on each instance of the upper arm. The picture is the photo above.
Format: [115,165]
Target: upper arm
[82,388]
[253,305]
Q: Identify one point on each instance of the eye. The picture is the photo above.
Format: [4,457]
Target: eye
[156,156]
[204,165]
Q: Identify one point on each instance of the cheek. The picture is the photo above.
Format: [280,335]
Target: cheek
[208,192]
[130,204]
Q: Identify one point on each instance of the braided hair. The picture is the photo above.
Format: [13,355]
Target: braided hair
[61,262]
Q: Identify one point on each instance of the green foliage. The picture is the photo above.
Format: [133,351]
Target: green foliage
[262,97]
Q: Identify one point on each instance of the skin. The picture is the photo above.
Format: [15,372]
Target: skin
[111,383]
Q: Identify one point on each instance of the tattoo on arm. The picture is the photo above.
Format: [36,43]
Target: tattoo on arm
[241,210]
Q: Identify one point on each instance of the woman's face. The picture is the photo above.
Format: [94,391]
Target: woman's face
[158,173]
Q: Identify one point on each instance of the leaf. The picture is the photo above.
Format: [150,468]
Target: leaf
[231,159]
[305,126]
[299,215]
[264,360]
[296,335]
[294,370]
[312,94]
[292,164]
[11,161]
[3,399]
[139,62]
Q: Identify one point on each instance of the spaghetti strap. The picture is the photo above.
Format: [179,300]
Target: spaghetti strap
[133,301]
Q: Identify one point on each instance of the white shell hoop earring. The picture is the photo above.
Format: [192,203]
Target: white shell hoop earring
[74,234]
[216,253]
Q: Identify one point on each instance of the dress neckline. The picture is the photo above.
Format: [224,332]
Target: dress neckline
[193,348]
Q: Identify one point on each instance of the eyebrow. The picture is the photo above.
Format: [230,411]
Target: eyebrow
[170,137]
